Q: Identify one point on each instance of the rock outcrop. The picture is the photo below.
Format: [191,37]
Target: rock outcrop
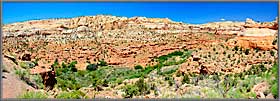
[255,38]
[252,24]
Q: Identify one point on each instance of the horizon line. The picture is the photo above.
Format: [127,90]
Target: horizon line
[50,18]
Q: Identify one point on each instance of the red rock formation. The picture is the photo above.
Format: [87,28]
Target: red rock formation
[261,42]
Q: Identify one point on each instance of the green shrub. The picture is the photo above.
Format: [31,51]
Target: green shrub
[170,82]
[67,68]
[148,69]
[186,79]
[38,80]
[55,64]
[238,61]
[275,69]
[224,53]
[63,65]
[236,48]
[102,63]
[69,77]
[274,80]
[274,42]
[71,95]
[274,90]
[91,67]
[139,88]
[119,80]
[130,91]
[247,51]
[72,66]
[34,95]
[138,67]
[27,64]
[164,58]
[240,49]
[216,77]
[222,45]
[35,62]
[257,49]
[229,56]
[272,52]
[143,87]
[22,73]
[178,74]
[176,53]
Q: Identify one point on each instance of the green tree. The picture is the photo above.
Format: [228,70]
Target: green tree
[138,67]
[247,51]
[272,52]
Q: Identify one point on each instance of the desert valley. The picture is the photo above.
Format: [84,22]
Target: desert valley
[106,56]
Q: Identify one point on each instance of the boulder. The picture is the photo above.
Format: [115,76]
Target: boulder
[82,29]
[207,69]
[26,57]
[196,58]
[269,96]
[260,88]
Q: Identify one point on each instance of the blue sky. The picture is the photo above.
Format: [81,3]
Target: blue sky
[187,12]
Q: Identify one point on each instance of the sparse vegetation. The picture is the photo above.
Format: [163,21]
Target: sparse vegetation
[224,53]
[236,48]
[138,67]
[91,67]
[139,88]
[186,79]
[272,52]
[71,95]
[274,42]
[247,51]
[34,95]
[102,63]
[27,64]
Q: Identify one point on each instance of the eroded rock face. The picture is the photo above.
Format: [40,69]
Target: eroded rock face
[270,25]
[49,79]
[124,41]
[255,38]
[258,32]
[47,74]
[257,35]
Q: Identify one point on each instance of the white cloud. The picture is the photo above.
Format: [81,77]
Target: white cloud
[222,19]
